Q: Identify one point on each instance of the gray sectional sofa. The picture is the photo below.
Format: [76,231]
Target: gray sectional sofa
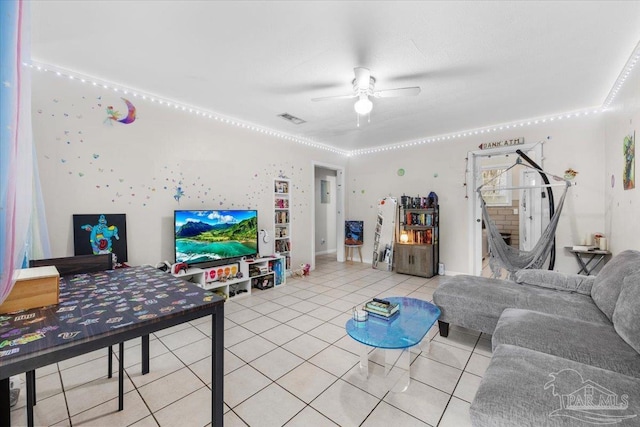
[566,348]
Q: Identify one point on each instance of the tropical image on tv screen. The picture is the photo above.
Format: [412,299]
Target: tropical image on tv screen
[209,235]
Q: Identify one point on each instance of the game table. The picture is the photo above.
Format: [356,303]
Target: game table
[97,310]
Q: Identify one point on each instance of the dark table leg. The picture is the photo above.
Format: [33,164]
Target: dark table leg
[31,379]
[587,266]
[597,260]
[121,377]
[583,266]
[145,354]
[110,363]
[5,406]
[33,386]
[217,371]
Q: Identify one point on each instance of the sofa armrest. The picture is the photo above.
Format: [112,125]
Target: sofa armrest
[555,280]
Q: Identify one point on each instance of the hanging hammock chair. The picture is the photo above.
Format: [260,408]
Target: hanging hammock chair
[512,259]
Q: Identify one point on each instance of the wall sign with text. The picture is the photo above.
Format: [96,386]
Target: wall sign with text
[502,143]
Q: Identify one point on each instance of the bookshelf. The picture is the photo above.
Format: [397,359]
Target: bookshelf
[282,219]
[259,273]
[417,252]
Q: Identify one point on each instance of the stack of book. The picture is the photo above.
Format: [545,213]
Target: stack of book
[381,308]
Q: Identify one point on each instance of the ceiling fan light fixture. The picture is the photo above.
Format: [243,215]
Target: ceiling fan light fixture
[363,105]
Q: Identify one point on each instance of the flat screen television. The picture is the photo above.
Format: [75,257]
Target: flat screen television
[208,236]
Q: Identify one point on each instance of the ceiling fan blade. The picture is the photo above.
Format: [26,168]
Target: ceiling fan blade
[404,91]
[363,76]
[327,98]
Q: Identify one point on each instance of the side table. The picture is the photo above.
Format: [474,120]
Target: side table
[589,259]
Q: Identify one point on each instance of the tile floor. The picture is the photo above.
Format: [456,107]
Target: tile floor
[288,361]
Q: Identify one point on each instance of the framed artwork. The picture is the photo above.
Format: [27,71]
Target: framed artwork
[100,234]
[629,152]
[353,232]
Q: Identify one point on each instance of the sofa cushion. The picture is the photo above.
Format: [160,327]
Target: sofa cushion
[477,302]
[626,317]
[607,284]
[595,344]
[522,387]
[555,280]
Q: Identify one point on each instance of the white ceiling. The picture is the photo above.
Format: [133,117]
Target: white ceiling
[478,63]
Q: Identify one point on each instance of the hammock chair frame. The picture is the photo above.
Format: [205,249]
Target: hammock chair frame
[503,256]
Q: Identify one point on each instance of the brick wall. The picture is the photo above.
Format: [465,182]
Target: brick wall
[507,221]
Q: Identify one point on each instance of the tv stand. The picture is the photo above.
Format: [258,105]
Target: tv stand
[261,273]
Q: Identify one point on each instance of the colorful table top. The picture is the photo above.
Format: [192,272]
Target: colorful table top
[403,330]
[97,304]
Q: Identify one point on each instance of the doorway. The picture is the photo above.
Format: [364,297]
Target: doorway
[519,224]
[327,209]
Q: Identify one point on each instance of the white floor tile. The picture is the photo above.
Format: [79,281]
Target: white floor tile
[345,411]
[252,348]
[305,346]
[435,374]
[447,354]
[276,363]
[456,414]
[328,332]
[385,415]
[478,364]
[272,406]
[335,360]
[243,383]
[107,414]
[170,388]
[467,387]
[281,334]
[421,401]
[193,409]
[307,381]
[310,417]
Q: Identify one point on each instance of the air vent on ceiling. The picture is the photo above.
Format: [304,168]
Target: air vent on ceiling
[293,119]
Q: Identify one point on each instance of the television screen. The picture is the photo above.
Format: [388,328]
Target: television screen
[353,232]
[212,235]
[100,234]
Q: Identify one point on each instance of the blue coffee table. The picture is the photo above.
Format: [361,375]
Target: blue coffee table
[401,332]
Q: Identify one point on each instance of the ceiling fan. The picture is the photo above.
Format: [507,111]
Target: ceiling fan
[364,87]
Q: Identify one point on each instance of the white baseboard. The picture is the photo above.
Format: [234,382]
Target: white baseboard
[330,251]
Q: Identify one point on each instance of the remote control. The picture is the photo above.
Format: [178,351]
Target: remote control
[382,301]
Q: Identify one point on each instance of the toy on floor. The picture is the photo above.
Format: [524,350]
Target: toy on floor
[304,270]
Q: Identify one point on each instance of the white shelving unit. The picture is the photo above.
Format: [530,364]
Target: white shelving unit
[282,219]
[261,273]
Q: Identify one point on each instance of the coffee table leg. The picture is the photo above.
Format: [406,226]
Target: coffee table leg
[397,369]
[364,360]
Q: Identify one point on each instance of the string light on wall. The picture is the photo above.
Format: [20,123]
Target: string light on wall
[84,79]
[622,77]
[480,131]
[60,72]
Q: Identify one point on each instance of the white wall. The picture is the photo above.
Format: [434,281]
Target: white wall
[573,143]
[89,166]
[326,218]
[622,207]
